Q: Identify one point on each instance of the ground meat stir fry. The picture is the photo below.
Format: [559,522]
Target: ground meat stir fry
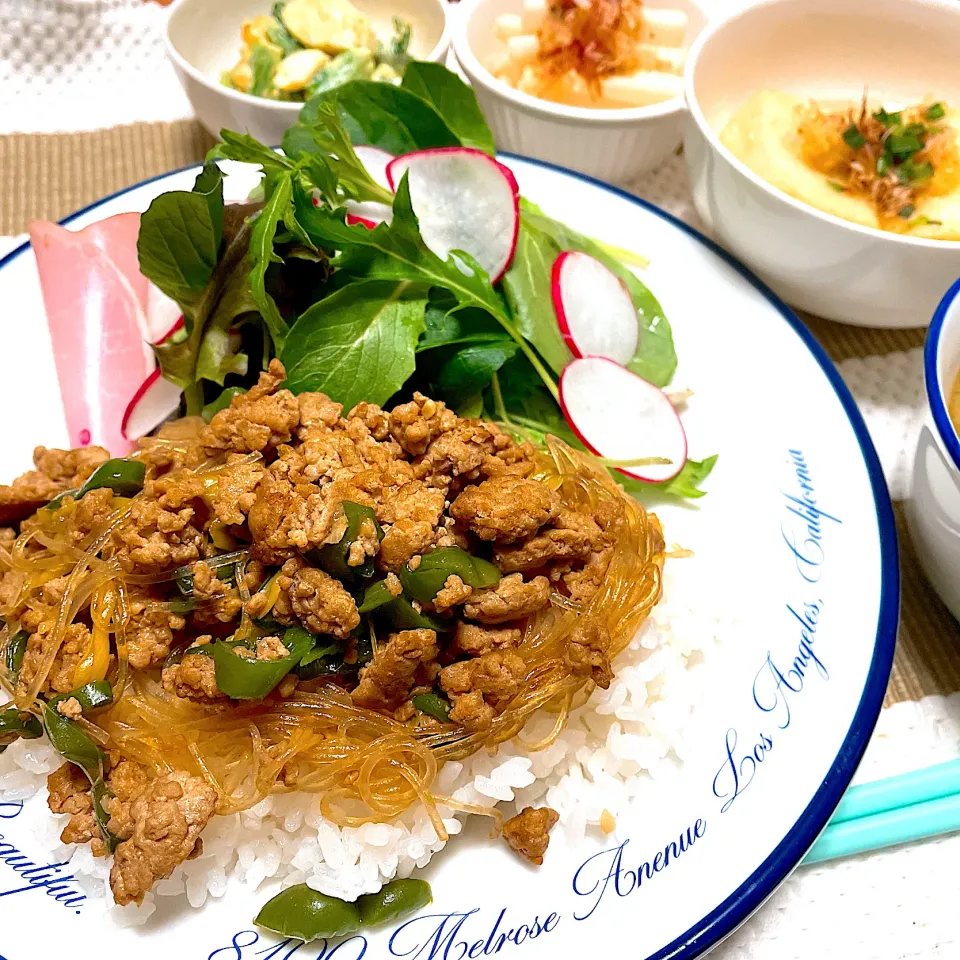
[529,832]
[385,558]
[56,472]
[159,827]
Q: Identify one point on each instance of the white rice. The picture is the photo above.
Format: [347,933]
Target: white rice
[611,750]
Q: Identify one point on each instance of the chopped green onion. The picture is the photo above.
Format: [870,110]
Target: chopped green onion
[839,187]
[935,111]
[13,654]
[433,705]
[888,119]
[14,724]
[883,165]
[903,144]
[907,212]
[853,138]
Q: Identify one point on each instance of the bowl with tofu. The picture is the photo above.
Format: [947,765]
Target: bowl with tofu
[596,87]
[250,65]
[832,170]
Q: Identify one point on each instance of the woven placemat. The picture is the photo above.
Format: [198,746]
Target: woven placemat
[50,175]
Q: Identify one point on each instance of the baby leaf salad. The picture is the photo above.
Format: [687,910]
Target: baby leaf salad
[388,251]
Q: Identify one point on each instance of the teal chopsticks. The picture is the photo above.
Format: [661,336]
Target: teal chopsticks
[923,803]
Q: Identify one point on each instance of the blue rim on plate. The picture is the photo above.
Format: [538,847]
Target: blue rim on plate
[931,377]
[761,884]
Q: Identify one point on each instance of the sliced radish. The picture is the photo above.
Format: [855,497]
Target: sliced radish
[352,220]
[164,337]
[376,162]
[369,213]
[464,200]
[621,416]
[153,402]
[594,310]
[164,317]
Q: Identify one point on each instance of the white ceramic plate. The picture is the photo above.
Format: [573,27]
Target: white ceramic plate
[797,527]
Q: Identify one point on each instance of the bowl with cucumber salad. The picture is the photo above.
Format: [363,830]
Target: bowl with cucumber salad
[250,65]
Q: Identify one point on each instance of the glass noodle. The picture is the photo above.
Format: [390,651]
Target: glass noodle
[366,767]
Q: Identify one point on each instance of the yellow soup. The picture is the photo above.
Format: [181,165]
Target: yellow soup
[767,134]
[953,402]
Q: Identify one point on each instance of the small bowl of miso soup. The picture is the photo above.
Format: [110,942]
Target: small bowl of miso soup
[933,508]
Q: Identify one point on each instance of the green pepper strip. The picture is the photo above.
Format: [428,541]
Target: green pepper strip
[224,566]
[76,747]
[333,557]
[434,705]
[397,899]
[427,580]
[246,679]
[123,477]
[305,914]
[398,612]
[221,403]
[14,724]
[13,654]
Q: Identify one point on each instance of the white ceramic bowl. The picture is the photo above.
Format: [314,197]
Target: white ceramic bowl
[612,145]
[933,509]
[203,40]
[905,51]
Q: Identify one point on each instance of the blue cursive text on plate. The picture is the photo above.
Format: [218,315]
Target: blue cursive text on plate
[781,680]
[606,870]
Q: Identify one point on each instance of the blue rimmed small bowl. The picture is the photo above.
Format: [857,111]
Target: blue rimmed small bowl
[933,509]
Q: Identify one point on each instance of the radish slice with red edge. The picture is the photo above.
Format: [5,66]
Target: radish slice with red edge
[164,337]
[376,162]
[164,317]
[352,221]
[153,402]
[621,416]
[369,213]
[595,312]
[464,200]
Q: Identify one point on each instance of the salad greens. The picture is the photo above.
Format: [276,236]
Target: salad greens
[373,314]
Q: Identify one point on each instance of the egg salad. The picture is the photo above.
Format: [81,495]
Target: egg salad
[306,47]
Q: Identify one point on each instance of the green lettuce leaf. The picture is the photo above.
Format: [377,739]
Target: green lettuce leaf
[470,368]
[685,484]
[655,359]
[357,344]
[394,251]
[330,161]
[224,298]
[453,100]
[526,286]
[180,236]
[384,116]
[277,210]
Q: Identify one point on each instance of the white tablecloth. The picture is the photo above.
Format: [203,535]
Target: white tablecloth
[70,65]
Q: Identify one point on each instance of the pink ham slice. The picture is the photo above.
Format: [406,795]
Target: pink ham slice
[95,300]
